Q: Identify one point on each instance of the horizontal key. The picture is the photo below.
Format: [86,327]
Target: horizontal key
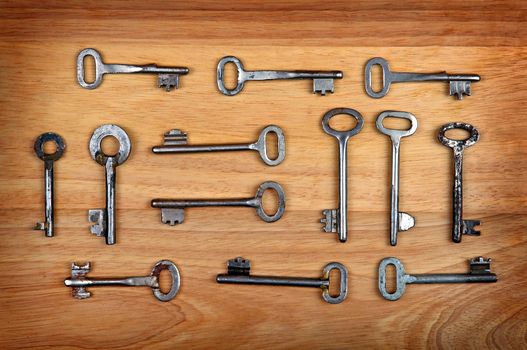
[479,273]
[168,77]
[459,83]
[322,80]
[176,142]
[238,272]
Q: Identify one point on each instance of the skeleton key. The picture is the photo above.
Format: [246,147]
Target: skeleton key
[460,226]
[335,220]
[172,210]
[104,219]
[399,221]
[479,272]
[238,272]
[168,77]
[176,141]
[322,81]
[78,281]
[459,83]
[48,159]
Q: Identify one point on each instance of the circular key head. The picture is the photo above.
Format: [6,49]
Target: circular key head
[261,145]
[342,134]
[395,133]
[386,77]
[46,137]
[281,201]
[343,288]
[176,280]
[400,283]
[99,68]
[472,139]
[220,75]
[110,130]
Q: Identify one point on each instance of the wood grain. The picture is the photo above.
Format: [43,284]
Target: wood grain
[38,92]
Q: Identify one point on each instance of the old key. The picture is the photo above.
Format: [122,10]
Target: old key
[49,159]
[238,272]
[168,77]
[322,80]
[460,226]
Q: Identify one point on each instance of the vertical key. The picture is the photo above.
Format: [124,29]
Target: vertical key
[399,221]
[104,219]
[48,159]
[238,272]
[479,273]
[460,226]
[335,220]
[322,80]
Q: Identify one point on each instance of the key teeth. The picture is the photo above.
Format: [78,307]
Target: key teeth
[168,81]
[330,220]
[175,137]
[322,86]
[79,271]
[480,265]
[98,218]
[239,266]
[406,221]
[468,227]
[172,216]
[460,87]
[40,226]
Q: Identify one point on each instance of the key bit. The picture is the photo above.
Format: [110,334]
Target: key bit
[459,88]
[172,216]
[79,272]
[406,221]
[239,266]
[98,218]
[480,266]
[322,86]
[175,137]
[330,220]
[168,81]
[468,227]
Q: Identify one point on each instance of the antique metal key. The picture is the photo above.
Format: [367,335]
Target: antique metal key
[48,159]
[459,83]
[172,210]
[104,219]
[238,272]
[479,272]
[168,77]
[460,226]
[176,142]
[322,81]
[399,221]
[78,281]
[335,220]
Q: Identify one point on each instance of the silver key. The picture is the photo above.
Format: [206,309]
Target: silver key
[172,210]
[479,272]
[460,226]
[399,221]
[104,219]
[176,142]
[335,220]
[78,281]
[238,272]
[168,77]
[48,159]
[459,83]
[322,80]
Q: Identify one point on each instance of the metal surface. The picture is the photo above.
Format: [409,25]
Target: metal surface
[48,159]
[460,226]
[175,141]
[78,281]
[459,83]
[399,221]
[238,272]
[335,220]
[172,210]
[322,80]
[168,77]
[479,273]
[104,219]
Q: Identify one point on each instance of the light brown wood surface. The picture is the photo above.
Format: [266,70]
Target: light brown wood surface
[39,42]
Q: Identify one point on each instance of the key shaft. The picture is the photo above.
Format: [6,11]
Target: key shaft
[147,281]
[273,280]
[147,69]
[190,203]
[110,199]
[449,278]
[204,148]
[261,75]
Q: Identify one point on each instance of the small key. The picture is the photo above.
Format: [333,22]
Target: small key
[168,77]
[322,80]
[172,210]
[104,219]
[335,220]
[459,83]
[176,141]
[399,221]
[460,226]
[78,281]
[48,159]
[479,272]
[238,272]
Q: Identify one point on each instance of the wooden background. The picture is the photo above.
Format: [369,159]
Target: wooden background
[39,42]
